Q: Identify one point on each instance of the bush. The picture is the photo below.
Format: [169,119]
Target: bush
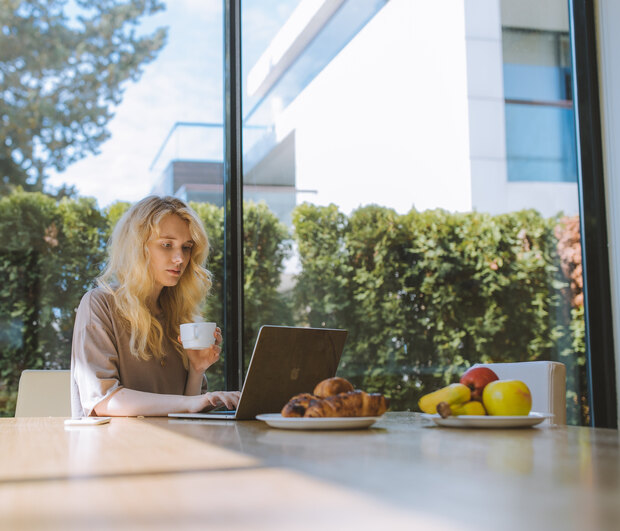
[266,246]
[213,219]
[51,253]
[54,250]
[574,354]
[427,294]
[423,295]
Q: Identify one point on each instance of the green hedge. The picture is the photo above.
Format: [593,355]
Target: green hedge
[427,294]
[51,251]
[266,245]
[424,295]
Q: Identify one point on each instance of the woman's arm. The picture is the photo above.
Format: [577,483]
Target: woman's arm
[194,384]
[200,361]
[131,403]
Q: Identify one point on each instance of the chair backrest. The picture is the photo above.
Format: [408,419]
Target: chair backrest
[44,394]
[546,381]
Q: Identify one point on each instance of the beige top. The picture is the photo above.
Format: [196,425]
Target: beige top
[101,361]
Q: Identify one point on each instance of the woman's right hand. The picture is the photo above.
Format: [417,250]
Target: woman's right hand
[230,399]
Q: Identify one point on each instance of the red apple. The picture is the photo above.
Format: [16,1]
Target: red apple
[476,379]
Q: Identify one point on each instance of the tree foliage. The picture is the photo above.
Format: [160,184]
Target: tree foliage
[63,66]
[427,294]
[423,295]
[51,252]
[54,249]
[266,246]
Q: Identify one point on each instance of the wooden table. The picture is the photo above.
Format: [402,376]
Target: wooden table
[404,473]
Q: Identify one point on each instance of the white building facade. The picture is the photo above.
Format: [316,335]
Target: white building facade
[412,111]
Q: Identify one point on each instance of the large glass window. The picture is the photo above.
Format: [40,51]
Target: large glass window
[409,174]
[422,156]
[101,114]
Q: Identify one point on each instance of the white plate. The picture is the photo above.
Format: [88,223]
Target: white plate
[489,421]
[276,420]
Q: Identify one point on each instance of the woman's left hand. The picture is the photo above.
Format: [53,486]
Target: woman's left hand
[201,360]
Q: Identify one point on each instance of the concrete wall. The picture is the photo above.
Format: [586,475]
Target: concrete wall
[366,132]
[430,134]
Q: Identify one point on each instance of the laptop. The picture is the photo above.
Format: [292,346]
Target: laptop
[286,361]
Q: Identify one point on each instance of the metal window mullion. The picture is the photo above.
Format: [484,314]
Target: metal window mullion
[596,276]
[233,200]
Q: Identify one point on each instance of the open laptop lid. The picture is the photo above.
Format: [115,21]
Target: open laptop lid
[286,361]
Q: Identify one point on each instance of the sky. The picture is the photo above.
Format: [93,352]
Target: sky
[184,83]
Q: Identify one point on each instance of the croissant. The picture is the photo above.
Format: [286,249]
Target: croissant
[296,406]
[332,386]
[352,404]
[336,397]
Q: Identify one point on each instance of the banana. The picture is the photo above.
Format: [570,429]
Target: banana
[456,393]
[468,408]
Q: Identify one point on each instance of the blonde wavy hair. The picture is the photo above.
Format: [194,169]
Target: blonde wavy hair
[128,278]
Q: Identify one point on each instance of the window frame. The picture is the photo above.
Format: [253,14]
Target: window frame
[233,198]
[600,361]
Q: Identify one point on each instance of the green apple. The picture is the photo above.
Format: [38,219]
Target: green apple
[507,397]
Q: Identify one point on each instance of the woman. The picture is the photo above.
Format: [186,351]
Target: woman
[127,358]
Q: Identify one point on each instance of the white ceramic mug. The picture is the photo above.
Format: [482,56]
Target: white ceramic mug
[197,335]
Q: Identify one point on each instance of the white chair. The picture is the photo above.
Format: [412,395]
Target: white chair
[44,394]
[546,381]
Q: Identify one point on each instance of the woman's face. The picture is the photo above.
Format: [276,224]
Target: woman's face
[170,251]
